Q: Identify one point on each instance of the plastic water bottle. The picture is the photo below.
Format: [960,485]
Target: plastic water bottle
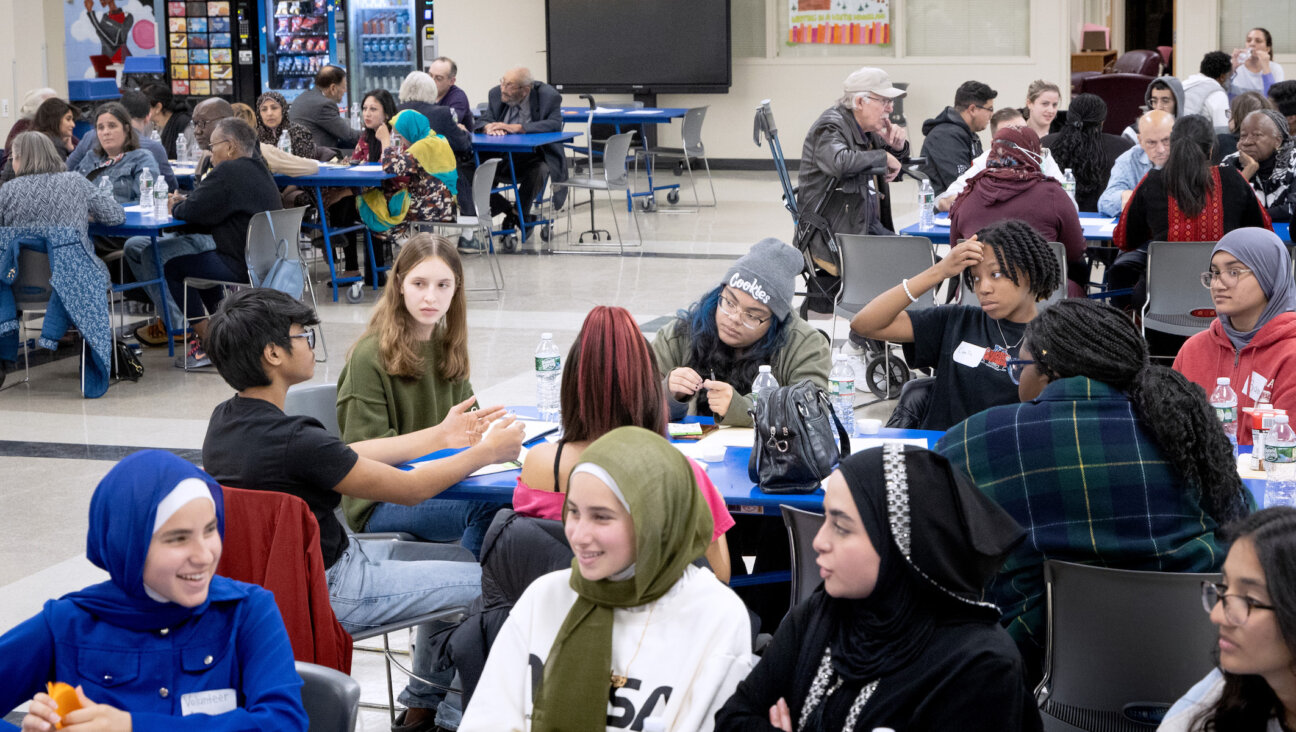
[841,387]
[1280,464]
[1069,185]
[182,150]
[146,188]
[1224,399]
[355,116]
[548,369]
[765,384]
[160,200]
[285,144]
[926,205]
[155,136]
[105,185]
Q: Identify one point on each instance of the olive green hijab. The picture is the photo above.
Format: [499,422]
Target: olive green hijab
[672,528]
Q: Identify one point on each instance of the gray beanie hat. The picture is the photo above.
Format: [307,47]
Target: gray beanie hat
[768,273]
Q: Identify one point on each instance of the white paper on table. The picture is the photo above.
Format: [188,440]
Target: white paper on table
[365,167]
[534,428]
[135,207]
[642,111]
[487,470]
[731,437]
[860,444]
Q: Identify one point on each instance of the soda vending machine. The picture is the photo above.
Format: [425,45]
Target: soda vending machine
[385,49]
[211,50]
[298,38]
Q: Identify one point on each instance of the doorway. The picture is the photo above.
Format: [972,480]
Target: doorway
[1149,24]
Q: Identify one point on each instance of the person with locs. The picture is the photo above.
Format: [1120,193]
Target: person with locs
[950,139]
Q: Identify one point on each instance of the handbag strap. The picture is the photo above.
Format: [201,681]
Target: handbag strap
[843,439]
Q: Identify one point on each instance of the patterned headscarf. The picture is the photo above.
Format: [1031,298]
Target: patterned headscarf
[264,133]
[1012,167]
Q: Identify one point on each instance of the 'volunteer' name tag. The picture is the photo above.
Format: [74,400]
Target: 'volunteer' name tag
[217,701]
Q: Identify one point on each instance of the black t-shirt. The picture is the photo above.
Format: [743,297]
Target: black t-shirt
[970,356]
[252,444]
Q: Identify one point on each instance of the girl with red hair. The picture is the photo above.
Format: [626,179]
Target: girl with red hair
[610,381]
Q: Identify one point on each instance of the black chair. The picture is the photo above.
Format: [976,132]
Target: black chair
[1123,646]
[911,407]
[331,698]
[801,529]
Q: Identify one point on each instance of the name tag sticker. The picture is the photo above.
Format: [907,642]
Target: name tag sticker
[1256,385]
[217,701]
[969,354]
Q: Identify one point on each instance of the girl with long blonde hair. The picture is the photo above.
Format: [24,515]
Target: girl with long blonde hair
[404,374]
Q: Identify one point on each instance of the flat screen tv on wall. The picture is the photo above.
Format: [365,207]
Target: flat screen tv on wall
[638,46]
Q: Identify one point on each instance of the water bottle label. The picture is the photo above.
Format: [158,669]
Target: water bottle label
[1280,454]
[1226,414]
[548,363]
[838,387]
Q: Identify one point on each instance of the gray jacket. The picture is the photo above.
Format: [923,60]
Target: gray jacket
[123,174]
[319,114]
[835,147]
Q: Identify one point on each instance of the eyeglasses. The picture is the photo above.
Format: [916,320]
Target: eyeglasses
[1015,368]
[1237,608]
[984,109]
[885,102]
[308,334]
[1228,278]
[201,124]
[506,84]
[730,307]
[214,143]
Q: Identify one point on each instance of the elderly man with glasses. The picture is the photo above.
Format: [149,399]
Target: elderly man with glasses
[850,154]
[521,105]
[950,139]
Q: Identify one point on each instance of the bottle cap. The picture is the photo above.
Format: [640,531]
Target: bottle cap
[1280,419]
[839,357]
[765,369]
[546,336]
[1223,380]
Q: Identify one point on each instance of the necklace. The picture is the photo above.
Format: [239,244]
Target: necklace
[619,680]
[1005,340]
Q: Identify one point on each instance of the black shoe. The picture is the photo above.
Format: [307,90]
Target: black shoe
[427,725]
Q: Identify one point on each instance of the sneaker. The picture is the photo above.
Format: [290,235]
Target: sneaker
[470,245]
[154,334]
[194,356]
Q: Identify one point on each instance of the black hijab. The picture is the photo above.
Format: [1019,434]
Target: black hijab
[940,540]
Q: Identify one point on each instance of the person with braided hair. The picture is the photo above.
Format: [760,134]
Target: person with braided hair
[1083,147]
[1187,199]
[1010,268]
[1253,339]
[1107,460]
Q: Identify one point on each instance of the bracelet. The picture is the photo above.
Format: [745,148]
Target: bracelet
[905,285]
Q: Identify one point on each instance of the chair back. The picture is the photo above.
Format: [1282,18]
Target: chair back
[801,529]
[1122,645]
[32,289]
[1124,95]
[331,698]
[266,231]
[1176,301]
[871,265]
[691,131]
[615,171]
[1140,61]
[315,400]
[483,181]
[967,297]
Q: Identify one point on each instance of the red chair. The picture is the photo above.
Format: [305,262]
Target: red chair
[1142,61]
[272,540]
[1123,93]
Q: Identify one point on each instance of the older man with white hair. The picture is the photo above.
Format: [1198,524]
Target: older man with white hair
[419,92]
[520,104]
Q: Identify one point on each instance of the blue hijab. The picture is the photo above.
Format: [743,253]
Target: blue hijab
[1265,255]
[122,514]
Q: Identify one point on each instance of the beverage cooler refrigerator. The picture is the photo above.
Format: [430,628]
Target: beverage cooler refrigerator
[211,48]
[298,37]
[383,48]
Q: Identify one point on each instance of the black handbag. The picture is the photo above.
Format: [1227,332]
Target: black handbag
[795,447]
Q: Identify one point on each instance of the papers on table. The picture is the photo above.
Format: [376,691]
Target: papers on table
[367,167]
[642,111]
[941,221]
[536,429]
[1098,226]
[489,469]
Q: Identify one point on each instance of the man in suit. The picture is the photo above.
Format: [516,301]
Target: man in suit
[317,110]
[520,104]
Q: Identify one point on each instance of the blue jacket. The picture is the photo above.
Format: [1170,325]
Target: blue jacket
[154,148]
[124,174]
[237,644]
[1126,173]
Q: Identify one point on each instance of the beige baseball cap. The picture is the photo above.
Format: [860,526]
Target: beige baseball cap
[873,80]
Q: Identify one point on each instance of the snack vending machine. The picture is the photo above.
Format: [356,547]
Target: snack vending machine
[211,49]
[385,50]
[298,38]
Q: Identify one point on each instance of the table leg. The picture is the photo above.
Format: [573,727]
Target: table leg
[328,243]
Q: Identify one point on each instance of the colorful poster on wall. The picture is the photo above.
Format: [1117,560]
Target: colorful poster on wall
[840,22]
[102,33]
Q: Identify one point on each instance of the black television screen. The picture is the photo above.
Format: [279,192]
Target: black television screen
[638,46]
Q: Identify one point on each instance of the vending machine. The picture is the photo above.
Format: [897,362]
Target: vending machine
[298,38]
[211,48]
[385,48]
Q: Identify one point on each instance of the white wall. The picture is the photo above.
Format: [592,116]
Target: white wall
[487,38]
[31,52]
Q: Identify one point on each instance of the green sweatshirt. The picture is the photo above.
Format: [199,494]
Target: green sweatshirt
[806,355]
[372,403]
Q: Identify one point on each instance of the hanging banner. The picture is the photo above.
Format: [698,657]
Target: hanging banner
[842,22]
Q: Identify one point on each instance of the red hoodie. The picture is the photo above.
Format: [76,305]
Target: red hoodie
[1270,358]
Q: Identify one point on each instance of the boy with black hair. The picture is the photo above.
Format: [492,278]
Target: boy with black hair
[262,341]
[1204,91]
[950,141]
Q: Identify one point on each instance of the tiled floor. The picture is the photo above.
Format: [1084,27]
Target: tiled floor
[55,446]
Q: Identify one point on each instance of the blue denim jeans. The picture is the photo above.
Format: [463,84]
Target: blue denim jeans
[140,260]
[377,582]
[438,519]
